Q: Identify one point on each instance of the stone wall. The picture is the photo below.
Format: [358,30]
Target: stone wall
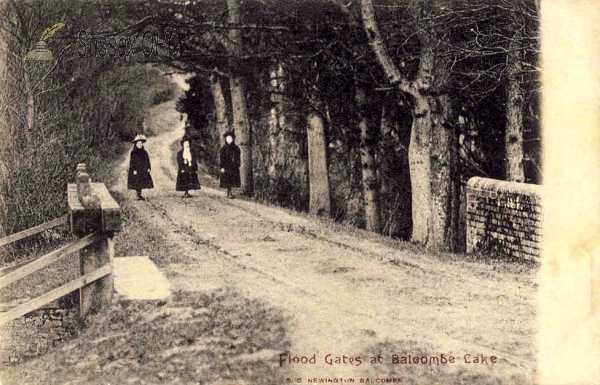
[504,218]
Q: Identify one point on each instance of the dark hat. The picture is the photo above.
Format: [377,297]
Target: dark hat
[229,133]
[186,138]
[139,137]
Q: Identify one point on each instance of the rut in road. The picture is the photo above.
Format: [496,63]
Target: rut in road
[346,291]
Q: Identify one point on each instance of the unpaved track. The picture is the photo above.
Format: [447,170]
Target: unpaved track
[345,292]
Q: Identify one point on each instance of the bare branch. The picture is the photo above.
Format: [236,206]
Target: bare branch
[376,42]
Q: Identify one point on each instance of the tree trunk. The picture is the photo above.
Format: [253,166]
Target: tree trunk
[385,146]
[419,150]
[220,106]
[318,177]
[8,124]
[30,114]
[242,132]
[513,138]
[420,171]
[274,144]
[277,145]
[368,148]
[433,180]
[445,181]
[241,125]
[377,45]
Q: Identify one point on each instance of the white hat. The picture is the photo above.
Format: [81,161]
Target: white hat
[139,137]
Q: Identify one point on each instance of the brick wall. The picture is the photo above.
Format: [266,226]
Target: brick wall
[503,218]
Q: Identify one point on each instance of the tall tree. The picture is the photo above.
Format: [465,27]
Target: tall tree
[220,106]
[277,125]
[368,111]
[522,50]
[430,159]
[514,110]
[237,85]
[320,201]
[497,68]
[8,118]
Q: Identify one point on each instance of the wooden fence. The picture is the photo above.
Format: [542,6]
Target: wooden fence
[94,216]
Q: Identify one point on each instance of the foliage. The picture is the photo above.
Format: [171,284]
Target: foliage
[81,110]
[197,104]
[323,48]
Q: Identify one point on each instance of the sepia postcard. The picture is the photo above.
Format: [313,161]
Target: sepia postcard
[269,192]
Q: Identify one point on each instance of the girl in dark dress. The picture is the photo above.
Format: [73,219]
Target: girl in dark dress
[187,174]
[230,164]
[139,177]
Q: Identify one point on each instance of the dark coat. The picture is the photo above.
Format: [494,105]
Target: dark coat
[139,162]
[230,161]
[187,175]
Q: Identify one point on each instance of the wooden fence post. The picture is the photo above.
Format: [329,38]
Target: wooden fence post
[93,209]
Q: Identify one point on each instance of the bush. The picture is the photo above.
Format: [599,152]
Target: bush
[71,127]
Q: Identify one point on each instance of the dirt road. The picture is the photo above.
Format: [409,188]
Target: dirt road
[332,304]
[346,292]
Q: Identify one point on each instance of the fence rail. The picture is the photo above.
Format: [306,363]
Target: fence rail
[34,230]
[48,259]
[94,216]
[7,269]
[55,294]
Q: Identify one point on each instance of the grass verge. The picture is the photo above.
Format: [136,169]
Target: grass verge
[194,338]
